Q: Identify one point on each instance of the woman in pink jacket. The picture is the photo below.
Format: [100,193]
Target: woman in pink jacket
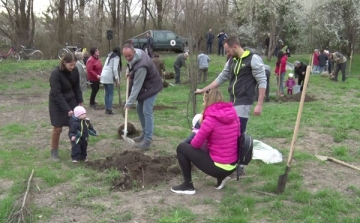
[220,127]
[280,71]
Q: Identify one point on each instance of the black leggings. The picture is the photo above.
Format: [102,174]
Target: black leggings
[95,86]
[186,155]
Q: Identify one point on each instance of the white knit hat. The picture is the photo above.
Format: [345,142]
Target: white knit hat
[79,110]
[196,119]
[291,75]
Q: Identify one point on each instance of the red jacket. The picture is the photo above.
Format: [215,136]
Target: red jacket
[282,65]
[221,129]
[316,59]
[93,68]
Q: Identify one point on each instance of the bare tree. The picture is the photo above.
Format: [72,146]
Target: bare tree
[19,22]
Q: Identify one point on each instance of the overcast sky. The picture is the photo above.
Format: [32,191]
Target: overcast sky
[40,5]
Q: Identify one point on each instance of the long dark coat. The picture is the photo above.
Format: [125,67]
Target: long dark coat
[65,95]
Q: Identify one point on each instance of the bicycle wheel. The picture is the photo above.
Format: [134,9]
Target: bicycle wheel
[62,52]
[1,57]
[36,55]
[22,55]
[15,56]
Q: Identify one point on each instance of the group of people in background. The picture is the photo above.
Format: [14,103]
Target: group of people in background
[210,39]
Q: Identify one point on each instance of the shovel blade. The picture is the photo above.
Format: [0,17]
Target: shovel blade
[131,141]
[322,158]
[282,181]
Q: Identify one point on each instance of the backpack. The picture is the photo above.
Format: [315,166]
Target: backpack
[245,151]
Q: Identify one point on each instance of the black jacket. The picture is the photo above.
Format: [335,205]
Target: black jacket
[65,94]
[80,129]
[322,59]
[300,70]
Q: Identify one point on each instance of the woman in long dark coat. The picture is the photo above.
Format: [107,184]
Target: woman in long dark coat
[65,95]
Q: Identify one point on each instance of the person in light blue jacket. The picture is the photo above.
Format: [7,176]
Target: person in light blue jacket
[110,76]
[203,63]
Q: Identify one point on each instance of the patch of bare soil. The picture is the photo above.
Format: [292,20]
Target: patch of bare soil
[294,98]
[138,169]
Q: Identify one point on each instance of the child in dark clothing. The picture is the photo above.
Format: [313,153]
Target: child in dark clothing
[290,83]
[79,130]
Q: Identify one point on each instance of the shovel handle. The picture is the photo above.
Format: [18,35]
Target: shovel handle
[298,118]
[127,97]
[343,163]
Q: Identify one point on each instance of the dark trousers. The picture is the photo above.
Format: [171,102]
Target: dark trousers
[95,86]
[243,124]
[221,49]
[208,48]
[339,67]
[201,72]
[177,74]
[301,81]
[186,155]
[79,150]
[150,51]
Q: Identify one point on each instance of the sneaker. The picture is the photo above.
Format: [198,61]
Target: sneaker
[74,161]
[139,138]
[86,160]
[144,145]
[221,183]
[184,188]
[54,155]
[109,112]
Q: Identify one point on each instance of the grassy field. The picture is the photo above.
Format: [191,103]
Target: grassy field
[316,191]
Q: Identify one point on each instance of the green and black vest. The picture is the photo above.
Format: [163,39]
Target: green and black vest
[242,82]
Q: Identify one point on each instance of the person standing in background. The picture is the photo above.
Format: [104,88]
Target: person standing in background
[149,44]
[94,68]
[221,36]
[209,41]
[110,76]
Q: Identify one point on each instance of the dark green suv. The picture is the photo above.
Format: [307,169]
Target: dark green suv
[164,40]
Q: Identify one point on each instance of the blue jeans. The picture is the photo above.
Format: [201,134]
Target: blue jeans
[145,112]
[282,75]
[109,94]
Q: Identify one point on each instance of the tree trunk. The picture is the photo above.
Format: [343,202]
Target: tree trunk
[144,11]
[159,9]
[81,35]
[272,41]
[101,22]
[61,22]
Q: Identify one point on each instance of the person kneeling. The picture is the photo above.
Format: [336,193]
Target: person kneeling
[220,128]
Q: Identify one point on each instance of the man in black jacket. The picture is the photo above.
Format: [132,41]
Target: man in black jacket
[149,44]
[300,71]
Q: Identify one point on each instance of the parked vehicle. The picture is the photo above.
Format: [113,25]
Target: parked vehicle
[30,53]
[11,53]
[69,49]
[164,40]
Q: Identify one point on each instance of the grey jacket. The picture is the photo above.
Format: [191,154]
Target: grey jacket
[110,71]
[203,61]
[180,61]
[82,75]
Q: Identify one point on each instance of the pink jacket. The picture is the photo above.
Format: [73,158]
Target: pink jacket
[290,83]
[221,128]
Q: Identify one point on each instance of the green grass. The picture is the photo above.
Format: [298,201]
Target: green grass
[334,114]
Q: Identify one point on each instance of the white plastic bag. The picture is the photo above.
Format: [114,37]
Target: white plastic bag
[266,153]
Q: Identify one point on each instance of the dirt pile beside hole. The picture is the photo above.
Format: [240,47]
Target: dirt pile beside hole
[138,170]
[295,98]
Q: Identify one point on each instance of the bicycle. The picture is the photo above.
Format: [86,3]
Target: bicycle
[12,52]
[69,49]
[30,53]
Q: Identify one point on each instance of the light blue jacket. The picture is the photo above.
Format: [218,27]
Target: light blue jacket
[203,61]
[110,71]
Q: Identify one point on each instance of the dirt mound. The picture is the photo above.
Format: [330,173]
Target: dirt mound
[138,170]
[295,98]
[131,130]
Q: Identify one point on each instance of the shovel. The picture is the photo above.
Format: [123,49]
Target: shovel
[283,178]
[120,102]
[324,158]
[126,116]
